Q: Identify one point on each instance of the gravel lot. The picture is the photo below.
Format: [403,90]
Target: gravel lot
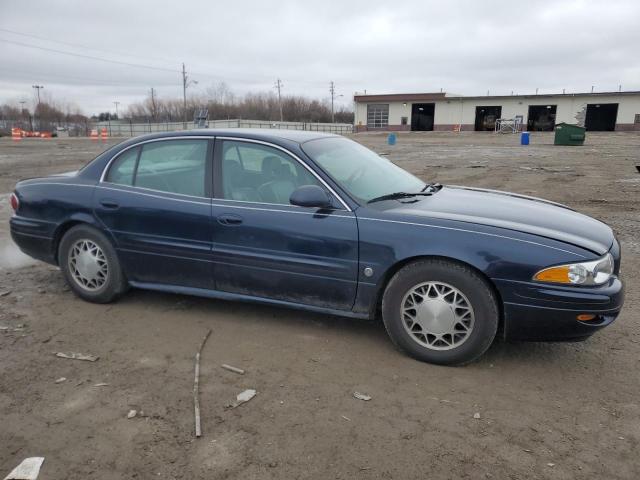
[557,411]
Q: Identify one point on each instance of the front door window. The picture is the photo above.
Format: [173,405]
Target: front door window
[259,173]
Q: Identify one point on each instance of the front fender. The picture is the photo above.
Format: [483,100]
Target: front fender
[498,253]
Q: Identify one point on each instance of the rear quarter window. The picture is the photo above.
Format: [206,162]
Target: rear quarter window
[123,168]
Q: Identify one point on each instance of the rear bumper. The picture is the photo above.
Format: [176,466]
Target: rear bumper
[538,312]
[31,239]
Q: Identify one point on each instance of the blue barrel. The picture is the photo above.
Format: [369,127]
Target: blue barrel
[391,139]
[524,138]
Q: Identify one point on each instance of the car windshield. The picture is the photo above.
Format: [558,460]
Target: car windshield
[362,173]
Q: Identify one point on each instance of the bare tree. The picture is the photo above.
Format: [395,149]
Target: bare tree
[222,103]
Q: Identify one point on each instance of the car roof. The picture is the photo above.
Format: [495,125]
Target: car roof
[266,134]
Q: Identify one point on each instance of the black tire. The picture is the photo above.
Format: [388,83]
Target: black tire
[468,282]
[115,283]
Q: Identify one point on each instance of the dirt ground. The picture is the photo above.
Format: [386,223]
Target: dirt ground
[548,411]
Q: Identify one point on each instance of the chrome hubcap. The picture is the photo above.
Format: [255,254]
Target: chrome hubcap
[88,265]
[437,315]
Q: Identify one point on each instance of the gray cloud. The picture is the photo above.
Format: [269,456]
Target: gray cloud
[465,47]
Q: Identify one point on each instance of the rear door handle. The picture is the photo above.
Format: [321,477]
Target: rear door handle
[229,219]
[110,204]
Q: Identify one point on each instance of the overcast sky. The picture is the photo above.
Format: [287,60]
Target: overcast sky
[466,47]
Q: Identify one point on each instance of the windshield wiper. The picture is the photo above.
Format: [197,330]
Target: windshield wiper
[398,195]
[432,187]
[428,190]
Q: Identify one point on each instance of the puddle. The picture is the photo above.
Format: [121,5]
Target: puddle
[11,257]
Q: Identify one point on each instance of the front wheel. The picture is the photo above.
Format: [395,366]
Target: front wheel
[440,312]
[90,265]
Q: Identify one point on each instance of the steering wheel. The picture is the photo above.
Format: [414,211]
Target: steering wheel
[356,175]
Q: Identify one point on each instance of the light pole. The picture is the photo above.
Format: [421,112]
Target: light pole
[38,87]
[116,104]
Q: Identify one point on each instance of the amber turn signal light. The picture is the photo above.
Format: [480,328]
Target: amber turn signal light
[585,317]
[554,274]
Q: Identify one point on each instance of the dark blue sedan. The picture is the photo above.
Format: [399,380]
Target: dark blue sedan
[319,222]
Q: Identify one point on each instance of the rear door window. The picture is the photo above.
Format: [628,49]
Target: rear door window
[174,166]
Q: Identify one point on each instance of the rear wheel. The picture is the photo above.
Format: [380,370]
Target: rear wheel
[440,312]
[90,265]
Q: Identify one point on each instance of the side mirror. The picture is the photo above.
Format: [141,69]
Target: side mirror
[310,196]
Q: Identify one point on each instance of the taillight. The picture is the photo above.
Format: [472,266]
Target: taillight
[15,203]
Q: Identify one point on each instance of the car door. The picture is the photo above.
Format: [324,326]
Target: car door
[266,247]
[155,200]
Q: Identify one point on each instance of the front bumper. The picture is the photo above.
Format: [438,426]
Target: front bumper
[538,312]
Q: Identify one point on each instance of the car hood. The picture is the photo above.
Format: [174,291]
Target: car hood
[514,212]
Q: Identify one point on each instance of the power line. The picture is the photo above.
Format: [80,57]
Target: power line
[94,81]
[75,45]
[131,64]
[91,57]
[113,52]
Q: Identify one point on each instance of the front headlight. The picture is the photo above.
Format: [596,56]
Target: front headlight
[595,272]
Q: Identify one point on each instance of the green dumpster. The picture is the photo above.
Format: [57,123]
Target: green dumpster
[567,134]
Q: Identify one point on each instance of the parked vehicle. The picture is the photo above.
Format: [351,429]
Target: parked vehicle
[319,222]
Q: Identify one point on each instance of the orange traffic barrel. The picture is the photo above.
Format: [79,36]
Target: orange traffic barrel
[94,134]
[103,134]
[16,133]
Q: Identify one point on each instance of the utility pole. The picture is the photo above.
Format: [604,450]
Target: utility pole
[278,86]
[153,104]
[185,83]
[116,104]
[38,87]
[22,102]
[184,96]
[332,90]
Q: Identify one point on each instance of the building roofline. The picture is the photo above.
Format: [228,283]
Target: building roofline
[412,97]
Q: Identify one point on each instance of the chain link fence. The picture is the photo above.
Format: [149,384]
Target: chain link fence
[130,129]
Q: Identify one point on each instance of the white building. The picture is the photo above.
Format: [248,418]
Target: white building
[619,111]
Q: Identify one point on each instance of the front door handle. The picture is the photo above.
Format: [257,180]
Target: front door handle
[229,219]
[110,204]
